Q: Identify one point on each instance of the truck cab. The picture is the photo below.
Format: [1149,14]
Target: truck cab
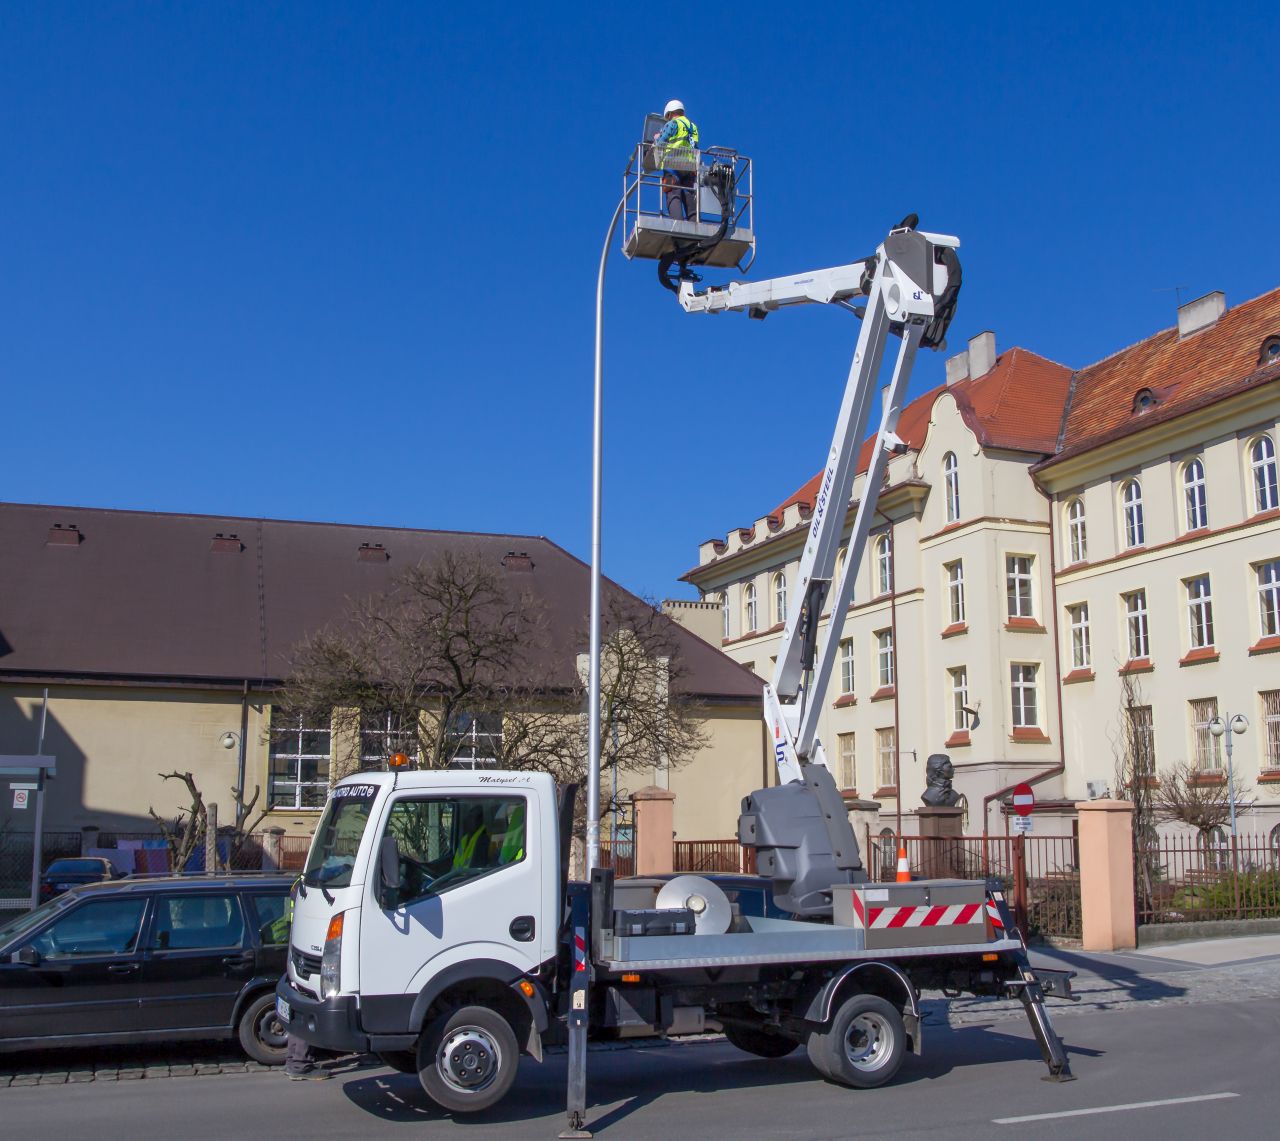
[425,893]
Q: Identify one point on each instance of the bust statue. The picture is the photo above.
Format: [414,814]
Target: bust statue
[938,773]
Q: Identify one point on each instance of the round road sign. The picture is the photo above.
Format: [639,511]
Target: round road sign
[1024,800]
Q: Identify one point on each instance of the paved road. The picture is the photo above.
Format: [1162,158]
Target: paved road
[970,1080]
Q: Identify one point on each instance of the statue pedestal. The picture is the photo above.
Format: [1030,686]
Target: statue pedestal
[942,854]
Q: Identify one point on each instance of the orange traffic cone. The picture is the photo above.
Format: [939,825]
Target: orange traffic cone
[904,870]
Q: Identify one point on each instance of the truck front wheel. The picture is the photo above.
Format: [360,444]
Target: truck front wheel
[863,1046]
[467,1059]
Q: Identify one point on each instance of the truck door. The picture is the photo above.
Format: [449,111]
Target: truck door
[469,889]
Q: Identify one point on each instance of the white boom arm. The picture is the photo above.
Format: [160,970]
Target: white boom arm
[910,292]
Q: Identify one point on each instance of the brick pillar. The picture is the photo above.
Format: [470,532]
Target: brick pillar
[654,813]
[88,838]
[1106,875]
[272,849]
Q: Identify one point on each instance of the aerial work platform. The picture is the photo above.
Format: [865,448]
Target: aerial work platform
[722,202]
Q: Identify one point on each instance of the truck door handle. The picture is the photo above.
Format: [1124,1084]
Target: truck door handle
[122,968]
[522,928]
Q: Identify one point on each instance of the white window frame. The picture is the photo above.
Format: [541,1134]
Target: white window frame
[1024,691]
[1137,627]
[885,666]
[959,698]
[1081,642]
[780,597]
[750,612]
[725,612]
[1199,611]
[1206,749]
[847,745]
[884,565]
[293,733]
[951,485]
[955,591]
[886,758]
[1194,495]
[1143,736]
[1270,700]
[472,748]
[390,735]
[1262,466]
[1077,532]
[1134,520]
[847,675]
[1268,575]
[1019,579]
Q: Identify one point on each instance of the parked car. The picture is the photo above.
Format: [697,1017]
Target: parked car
[71,871]
[138,960]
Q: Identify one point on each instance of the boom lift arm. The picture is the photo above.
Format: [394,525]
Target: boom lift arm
[910,286]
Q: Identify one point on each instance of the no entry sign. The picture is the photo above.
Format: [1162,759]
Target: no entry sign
[1024,800]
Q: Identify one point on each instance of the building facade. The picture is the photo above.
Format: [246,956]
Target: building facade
[1052,541]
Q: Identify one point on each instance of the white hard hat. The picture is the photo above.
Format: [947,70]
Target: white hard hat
[673,105]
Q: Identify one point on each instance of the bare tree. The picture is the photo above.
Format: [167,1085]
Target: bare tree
[1186,797]
[1133,745]
[452,662]
[184,833]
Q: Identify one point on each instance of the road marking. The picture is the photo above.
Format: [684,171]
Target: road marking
[1111,1108]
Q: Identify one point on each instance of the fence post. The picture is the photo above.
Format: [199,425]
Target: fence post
[654,813]
[1020,883]
[1107,918]
[1235,877]
[211,840]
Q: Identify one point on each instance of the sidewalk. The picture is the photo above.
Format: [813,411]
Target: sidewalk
[1206,970]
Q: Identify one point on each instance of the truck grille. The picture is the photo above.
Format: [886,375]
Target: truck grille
[305,965]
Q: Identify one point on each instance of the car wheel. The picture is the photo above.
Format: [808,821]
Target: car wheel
[467,1059]
[864,1044]
[262,1035]
[402,1061]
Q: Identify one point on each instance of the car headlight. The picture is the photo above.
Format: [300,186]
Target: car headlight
[331,960]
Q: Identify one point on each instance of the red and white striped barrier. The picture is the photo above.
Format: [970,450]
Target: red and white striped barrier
[953,915]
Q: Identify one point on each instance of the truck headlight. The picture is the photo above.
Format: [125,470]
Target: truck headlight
[331,960]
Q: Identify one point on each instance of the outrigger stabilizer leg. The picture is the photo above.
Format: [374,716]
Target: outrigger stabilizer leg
[579,988]
[1030,987]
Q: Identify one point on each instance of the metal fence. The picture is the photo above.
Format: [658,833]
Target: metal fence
[15,862]
[1188,878]
[710,856]
[621,857]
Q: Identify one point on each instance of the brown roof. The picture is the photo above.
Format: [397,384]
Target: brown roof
[1182,374]
[1017,405]
[87,592]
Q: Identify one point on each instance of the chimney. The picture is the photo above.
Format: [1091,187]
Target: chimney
[64,535]
[982,354]
[517,562]
[226,542]
[372,553]
[958,367]
[1201,313]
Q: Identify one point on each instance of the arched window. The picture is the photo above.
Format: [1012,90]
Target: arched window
[1262,462]
[1275,845]
[1077,543]
[884,565]
[780,597]
[1135,531]
[1193,493]
[749,606]
[724,610]
[951,483]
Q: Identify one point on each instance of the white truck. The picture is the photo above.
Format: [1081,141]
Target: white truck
[436,925]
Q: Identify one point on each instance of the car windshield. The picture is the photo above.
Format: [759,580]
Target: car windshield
[74,867]
[29,921]
[333,851]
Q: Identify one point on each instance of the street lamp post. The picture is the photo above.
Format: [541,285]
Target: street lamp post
[1237,723]
[593,674]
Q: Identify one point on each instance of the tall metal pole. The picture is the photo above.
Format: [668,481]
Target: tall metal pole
[37,836]
[593,676]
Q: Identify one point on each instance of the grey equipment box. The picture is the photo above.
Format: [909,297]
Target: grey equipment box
[644,921]
[923,913]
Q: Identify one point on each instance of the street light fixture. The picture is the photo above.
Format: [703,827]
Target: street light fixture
[1238,723]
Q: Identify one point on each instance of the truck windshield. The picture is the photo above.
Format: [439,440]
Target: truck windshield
[333,852]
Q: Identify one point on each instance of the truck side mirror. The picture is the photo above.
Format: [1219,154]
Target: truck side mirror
[389,871]
[28,956]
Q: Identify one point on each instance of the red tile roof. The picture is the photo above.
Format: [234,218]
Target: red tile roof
[1182,374]
[1017,405]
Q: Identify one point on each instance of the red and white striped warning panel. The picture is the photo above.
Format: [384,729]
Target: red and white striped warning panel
[951,915]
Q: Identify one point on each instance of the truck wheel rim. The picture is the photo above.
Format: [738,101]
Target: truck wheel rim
[271,1033]
[868,1042]
[468,1059]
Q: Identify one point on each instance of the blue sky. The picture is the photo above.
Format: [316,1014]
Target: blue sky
[337,262]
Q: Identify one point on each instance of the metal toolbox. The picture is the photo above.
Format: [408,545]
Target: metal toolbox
[629,922]
[922,913]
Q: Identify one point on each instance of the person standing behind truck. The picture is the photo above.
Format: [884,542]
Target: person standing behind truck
[299,1058]
[677,145]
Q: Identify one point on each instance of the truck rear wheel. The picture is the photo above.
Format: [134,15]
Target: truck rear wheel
[864,1044]
[467,1059]
[758,1042]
